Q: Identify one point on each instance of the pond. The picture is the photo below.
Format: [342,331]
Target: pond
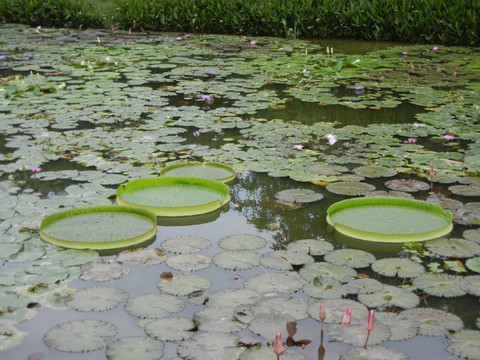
[83,112]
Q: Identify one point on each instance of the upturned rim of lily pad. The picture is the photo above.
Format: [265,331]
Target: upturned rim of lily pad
[146,230]
[196,169]
[129,194]
[342,216]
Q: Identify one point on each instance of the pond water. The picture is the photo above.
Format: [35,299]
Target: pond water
[96,109]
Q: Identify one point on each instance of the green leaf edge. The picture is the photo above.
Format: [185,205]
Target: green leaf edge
[98,245]
[166,169]
[169,211]
[390,238]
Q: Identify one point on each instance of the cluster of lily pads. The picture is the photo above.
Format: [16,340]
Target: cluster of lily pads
[96,109]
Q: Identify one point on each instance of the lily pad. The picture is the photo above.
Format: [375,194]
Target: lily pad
[174,196]
[311,247]
[400,267]
[442,285]
[189,262]
[236,260]
[400,328]
[242,242]
[350,257]
[356,334]
[471,284]
[11,336]
[233,297]
[335,309]
[340,273]
[363,286]
[142,257]
[407,185]
[464,343]
[433,322]
[138,347]
[465,190]
[170,329]
[374,353]
[218,319]
[103,271]
[288,282]
[350,188]
[155,306]
[265,353]
[97,298]
[186,244]
[457,248]
[298,196]
[210,345]
[80,335]
[183,284]
[292,306]
[390,296]
[285,259]
[211,170]
[374,171]
[99,228]
[324,288]
[268,324]
[389,219]
[473,264]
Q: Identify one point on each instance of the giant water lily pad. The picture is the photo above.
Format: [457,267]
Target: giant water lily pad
[212,171]
[99,228]
[389,219]
[174,196]
[80,335]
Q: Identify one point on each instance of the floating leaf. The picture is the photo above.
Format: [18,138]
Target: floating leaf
[465,190]
[324,288]
[98,298]
[356,334]
[350,188]
[213,171]
[233,297]
[390,296]
[288,282]
[374,352]
[10,337]
[400,328]
[210,345]
[338,272]
[472,235]
[407,185]
[103,271]
[363,286]
[183,284]
[458,248]
[400,267]
[335,308]
[156,306]
[374,171]
[138,347]
[292,306]
[218,319]
[311,247]
[80,335]
[471,284]
[473,264]
[236,260]
[242,242]
[399,194]
[174,196]
[464,343]
[142,257]
[350,257]
[186,244]
[455,266]
[99,228]
[268,324]
[189,262]
[298,196]
[170,329]
[284,259]
[433,322]
[265,353]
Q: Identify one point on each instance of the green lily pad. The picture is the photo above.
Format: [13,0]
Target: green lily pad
[464,343]
[340,273]
[189,262]
[185,244]
[350,188]
[356,334]
[473,264]
[218,319]
[298,196]
[471,284]
[103,271]
[324,288]
[288,282]
[390,296]
[374,171]
[138,347]
[210,345]
[374,352]
[285,259]
[465,190]
[433,322]
[11,336]
[442,285]
[389,219]
[311,247]
[458,248]
[242,242]
[170,329]
[292,306]
[212,171]
[236,260]
[350,257]
[400,267]
[155,306]
[174,196]
[80,335]
[97,298]
[99,228]
[183,284]
[142,257]
[268,324]
[233,297]
[400,328]
[472,235]
[335,308]
[363,286]
[265,353]
[407,185]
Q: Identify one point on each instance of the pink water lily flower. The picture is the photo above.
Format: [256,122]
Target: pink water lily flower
[35,169]
[448,137]
[278,345]
[370,325]
[435,48]
[347,316]
[412,140]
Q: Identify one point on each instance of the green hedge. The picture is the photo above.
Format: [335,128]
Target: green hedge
[417,21]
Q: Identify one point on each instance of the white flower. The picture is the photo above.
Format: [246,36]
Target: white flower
[332,139]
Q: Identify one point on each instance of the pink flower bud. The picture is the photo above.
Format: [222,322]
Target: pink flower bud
[278,345]
[346,316]
[370,320]
[323,313]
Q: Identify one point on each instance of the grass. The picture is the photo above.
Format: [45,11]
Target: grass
[417,21]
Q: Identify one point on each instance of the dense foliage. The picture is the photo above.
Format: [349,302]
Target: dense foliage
[419,21]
